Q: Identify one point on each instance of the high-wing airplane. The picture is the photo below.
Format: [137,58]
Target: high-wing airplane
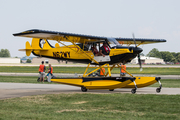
[109,53]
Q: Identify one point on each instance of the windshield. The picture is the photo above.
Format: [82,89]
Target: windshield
[113,42]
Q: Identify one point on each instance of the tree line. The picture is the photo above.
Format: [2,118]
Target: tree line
[5,53]
[165,55]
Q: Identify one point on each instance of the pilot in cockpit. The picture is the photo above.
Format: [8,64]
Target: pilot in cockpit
[104,50]
[94,49]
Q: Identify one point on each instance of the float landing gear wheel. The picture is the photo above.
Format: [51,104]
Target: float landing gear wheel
[111,89]
[158,90]
[83,89]
[133,91]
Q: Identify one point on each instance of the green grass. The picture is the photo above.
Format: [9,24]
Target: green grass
[20,79]
[132,70]
[92,107]
[158,71]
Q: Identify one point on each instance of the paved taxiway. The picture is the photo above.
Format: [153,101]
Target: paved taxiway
[12,90]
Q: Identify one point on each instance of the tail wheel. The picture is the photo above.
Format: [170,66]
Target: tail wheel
[83,89]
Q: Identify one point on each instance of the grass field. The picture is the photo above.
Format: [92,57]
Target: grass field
[21,79]
[92,107]
[132,70]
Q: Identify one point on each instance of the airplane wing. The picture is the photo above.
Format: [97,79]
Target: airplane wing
[59,36]
[79,38]
[139,40]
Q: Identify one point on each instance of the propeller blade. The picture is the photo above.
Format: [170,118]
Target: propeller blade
[134,39]
[139,60]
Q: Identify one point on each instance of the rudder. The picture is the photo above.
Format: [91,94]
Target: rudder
[28,48]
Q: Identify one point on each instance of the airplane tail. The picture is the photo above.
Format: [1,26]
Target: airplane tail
[37,45]
[28,49]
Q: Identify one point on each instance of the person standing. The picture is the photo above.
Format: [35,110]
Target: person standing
[102,72]
[123,70]
[50,70]
[42,69]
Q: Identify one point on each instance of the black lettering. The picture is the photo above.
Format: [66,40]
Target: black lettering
[54,54]
[69,54]
[65,55]
[61,54]
[58,54]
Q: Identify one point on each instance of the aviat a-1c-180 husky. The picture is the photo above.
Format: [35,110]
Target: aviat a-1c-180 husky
[103,52]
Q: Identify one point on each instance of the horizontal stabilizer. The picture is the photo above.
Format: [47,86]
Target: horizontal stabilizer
[29,49]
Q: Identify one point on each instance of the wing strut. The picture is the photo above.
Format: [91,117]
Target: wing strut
[97,68]
[89,57]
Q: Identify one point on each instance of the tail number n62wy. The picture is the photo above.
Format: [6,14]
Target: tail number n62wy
[61,54]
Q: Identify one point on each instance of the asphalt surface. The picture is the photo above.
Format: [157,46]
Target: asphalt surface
[12,90]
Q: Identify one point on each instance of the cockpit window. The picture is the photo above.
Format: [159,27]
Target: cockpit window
[113,42]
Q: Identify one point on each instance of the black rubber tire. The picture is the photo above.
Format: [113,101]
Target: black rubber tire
[158,90]
[83,89]
[133,91]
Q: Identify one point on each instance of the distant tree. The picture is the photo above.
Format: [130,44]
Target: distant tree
[174,60]
[174,54]
[178,58]
[4,53]
[28,61]
[154,53]
[167,56]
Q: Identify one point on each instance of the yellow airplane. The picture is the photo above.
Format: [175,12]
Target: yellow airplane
[103,52]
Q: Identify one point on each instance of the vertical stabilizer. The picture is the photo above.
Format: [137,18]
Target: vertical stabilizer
[28,48]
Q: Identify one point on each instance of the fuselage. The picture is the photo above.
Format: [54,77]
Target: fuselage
[73,53]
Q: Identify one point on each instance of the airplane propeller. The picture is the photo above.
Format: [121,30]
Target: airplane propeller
[139,59]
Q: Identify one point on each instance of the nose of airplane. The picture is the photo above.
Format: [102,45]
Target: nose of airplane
[137,50]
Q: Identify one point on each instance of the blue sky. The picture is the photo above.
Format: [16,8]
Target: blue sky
[158,19]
